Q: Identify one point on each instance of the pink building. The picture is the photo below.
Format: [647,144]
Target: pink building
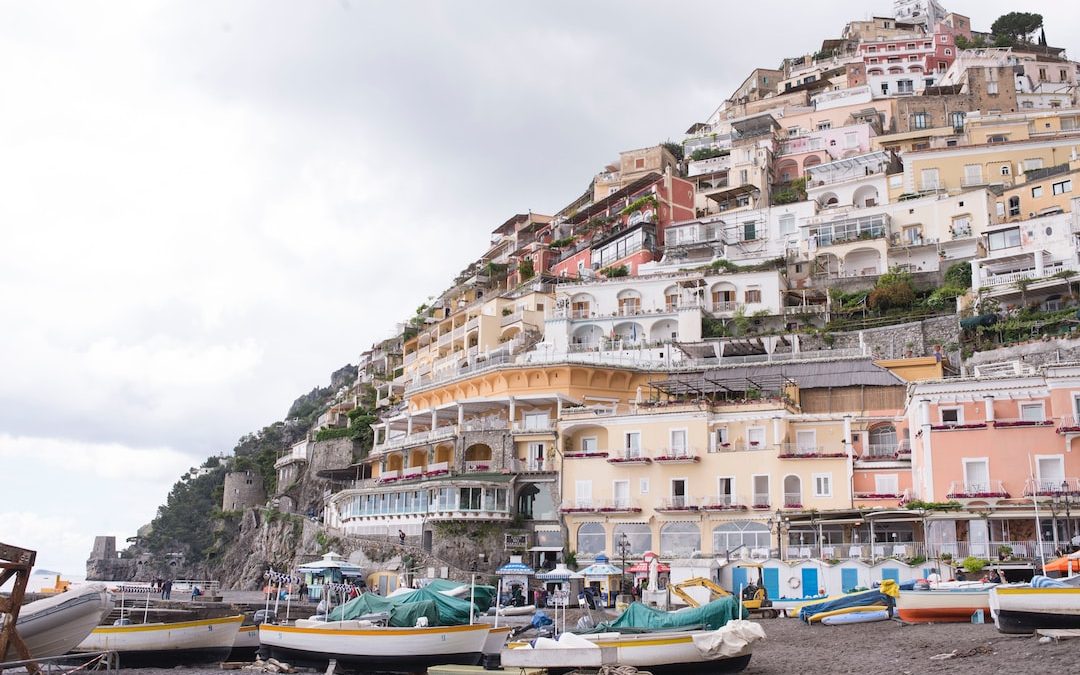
[904,65]
[1001,443]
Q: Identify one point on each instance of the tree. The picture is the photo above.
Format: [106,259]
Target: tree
[893,290]
[525,268]
[1018,26]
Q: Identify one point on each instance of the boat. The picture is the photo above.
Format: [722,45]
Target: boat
[1044,603]
[724,650]
[864,616]
[247,640]
[511,610]
[374,647]
[155,644]
[55,625]
[496,639]
[944,604]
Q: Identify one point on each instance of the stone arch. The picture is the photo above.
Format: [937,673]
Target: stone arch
[444,453]
[862,261]
[418,457]
[809,161]
[629,331]
[723,295]
[828,199]
[478,452]
[395,461]
[509,333]
[589,334]
[787,170]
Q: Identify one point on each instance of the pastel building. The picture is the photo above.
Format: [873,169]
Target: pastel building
[1000,443]
[1028,260]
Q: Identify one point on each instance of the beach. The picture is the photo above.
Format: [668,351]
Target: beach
[886,647]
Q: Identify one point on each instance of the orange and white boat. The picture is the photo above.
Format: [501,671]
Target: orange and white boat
[944,605]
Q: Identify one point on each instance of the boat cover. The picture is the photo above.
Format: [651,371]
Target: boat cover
[452,611]
[641,618]
[483,596]
[402,614]
[883,595]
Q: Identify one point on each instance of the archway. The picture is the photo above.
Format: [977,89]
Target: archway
[723,296]
[792,492]
[664,331]
[809,161]
[638,535]
[867,195]
[787,170]
[590,334]
[861,262]
[731,536]
[478,453]
[629,302]
[882,441]
[828,199]
[444,453]
[591,540]
[629,331]
[394,462]
[418,457]
[680,539]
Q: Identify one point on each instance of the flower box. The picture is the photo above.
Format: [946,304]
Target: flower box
[688,507]
[957,427]
[754,444]
[761,506]
[725,445]
[676,458]
[479,467]
[1023,423]
[1073,429]
[978,495]
[577,509]
[583,455]
[876,495]
[620,509]
[725,507]
[629,460]
[793,506]
[437,472]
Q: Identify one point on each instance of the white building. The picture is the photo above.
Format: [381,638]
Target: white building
[1023,257]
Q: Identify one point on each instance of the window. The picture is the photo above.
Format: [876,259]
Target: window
[823,485]
[995,241]
[744,177]
[639,163]
[680,539]
[583,493]
[753,295]
[920,120]
[787,223]
[1062,187]
[905,87]
[588,445]
[1042,74]
[806,440]
[930,179]
[726,490]
[731,536]
[952,416]
[1006,170]
[1033,163]
[755,436]
[1063,75]
[620,493]
[822,126]
[671,300]
[1036,192]
[976,475]
[643,486]
[678,441]
[761,490]
[948,52]
[633,444]
[1032,412]
[722,437]
[957,121]
[591,539]
[749,230]
[679,496]
[886,484]
[1051,472]
[972,174]
[992,88]
[850,140]
[1014,206]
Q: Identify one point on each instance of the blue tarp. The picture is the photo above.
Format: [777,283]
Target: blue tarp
[874,597]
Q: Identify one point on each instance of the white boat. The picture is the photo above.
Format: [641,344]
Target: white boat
[375,647]
[180,642]
[665,653]
[247,639]
[944,605]
[511,610]
[1025,609]
[55,625]
[496,639]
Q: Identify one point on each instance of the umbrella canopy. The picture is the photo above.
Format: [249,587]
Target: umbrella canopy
[560,573]
[601,568]
[643,568]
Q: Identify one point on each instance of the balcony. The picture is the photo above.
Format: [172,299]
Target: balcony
[444,340]
[956,426]
[677,503]
[437,469]
[481,466]
[760,502]
[847,230]
[901,496]
[513,317]
[798,451]
[1014,422]
[884,452]
[388,477]
[675,456]
[628,456]
[472,323]
[722,503]
[618,506]
[586,454]
[412,472]
[1052,488]
[1010,278]
[804,309]
[533,465]
[793,500]
[534,427]
[580,506]
[994,489]
[485,425]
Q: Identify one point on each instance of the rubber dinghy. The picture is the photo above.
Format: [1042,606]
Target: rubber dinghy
[881,598]
[54,626]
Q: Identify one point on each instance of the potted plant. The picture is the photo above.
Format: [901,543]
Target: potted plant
[946,557]
[1005,552]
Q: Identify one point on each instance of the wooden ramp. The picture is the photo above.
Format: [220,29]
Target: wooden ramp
[14,562]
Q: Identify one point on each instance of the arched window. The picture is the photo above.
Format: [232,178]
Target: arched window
[680,540]
[591,539]
[639,536]
[882,440]
[792,492]
[730,536]
[671,298]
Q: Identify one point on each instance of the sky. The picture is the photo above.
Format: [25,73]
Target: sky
[208,206]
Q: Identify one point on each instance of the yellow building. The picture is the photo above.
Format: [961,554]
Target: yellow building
[708,462]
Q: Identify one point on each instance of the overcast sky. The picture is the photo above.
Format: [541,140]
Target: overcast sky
[208,206]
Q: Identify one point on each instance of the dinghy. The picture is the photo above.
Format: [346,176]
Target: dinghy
[55,625]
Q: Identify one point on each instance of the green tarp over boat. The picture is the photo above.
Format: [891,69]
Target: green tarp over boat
[639,617]
[402,614]
[483,596]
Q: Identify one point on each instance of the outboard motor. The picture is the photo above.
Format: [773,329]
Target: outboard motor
[265,616]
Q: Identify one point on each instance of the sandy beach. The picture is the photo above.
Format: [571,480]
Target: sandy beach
[885,647]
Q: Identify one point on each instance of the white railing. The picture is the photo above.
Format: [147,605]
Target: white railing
[674,454]
[679,503]
[544,427]
[793,500]
[801,450]
[629,455]
[760,500]
[1012,277]
[615,505]
[412,471]
[883,450]
[960,489]
[512,318]
[1044,487]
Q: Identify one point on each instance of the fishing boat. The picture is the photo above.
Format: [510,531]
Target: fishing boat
[55,625]
[496,639]
[375,647]
[180,642]
[247,640]
[725,650]
[1044,603]
[944,604]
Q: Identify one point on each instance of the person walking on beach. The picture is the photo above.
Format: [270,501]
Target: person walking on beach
[401,536]
[166,590]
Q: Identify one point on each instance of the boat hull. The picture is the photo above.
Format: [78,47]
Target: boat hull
[246,642]
[183,642]
[56,625]
[375,648]
[1023,610]
[663,654]
[941,606]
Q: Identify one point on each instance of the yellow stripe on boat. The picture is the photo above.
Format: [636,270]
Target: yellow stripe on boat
[846,610]
[1034,591]
[134,628]
[384,632]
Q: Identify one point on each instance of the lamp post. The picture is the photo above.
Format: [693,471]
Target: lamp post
[1068,514]
[624,549]
[780,521]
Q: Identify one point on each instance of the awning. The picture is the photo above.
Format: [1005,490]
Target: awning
[644,567]
[515,568]
[546,549]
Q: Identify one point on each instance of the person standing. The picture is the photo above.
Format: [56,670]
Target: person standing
[401,536]
[166,590]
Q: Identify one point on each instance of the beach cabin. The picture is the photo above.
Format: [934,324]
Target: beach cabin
[332,568]
[604,579]
[563,585]
[514,579]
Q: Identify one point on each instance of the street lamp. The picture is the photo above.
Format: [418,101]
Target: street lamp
[1068,514]
[624,549]
[781,522]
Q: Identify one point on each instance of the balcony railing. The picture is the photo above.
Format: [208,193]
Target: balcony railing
[723,503]
[543,427]
[579,506]
[533,465]
[413,472]
[625,505]
[512,318]
[486,425]
[629,456]
[1068,425]
[675,455]
[993,489]
[798,450]
[760,501]
[1012,277]
[1011,422]
[678,503]
[1052,487]
[478,466]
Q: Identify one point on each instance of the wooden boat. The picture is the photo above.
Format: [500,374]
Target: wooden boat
[55,625]
[1023,609]
[943,605]
[181,642]
[496,639]
[663,653]
[375,647]
[247,640]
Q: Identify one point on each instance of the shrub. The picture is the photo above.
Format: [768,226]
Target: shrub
[893,290]
[959,275]
[974,565]
[614,272]
[525,269]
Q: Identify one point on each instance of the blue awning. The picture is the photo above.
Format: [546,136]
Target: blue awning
[515,568]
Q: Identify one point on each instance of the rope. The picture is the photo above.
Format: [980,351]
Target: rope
[621,670]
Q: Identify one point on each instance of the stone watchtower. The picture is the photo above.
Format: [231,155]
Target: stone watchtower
[243,489]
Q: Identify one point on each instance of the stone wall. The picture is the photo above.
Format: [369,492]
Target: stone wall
[1034,353]
[891,342]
